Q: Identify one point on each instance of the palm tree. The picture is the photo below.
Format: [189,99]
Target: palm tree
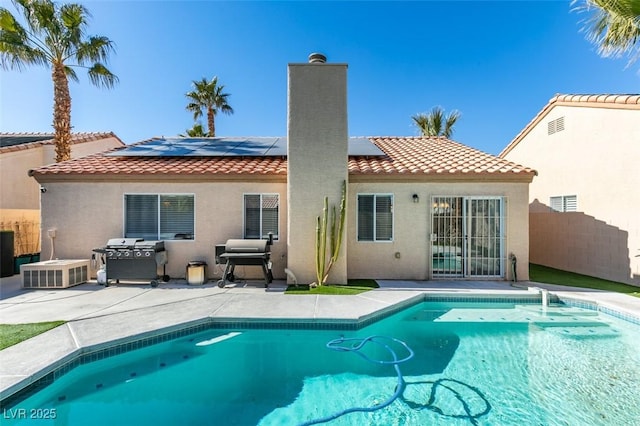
[197,131]
[614,26]
[435,123]
[208,96]
[54,36]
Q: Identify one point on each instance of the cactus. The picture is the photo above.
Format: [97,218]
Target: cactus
[336,231]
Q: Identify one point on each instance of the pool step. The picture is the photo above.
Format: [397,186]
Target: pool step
[554,316]
[567,322]
[596,331]
[557,310]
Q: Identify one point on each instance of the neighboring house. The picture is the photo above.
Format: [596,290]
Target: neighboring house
[21,152]
[417,208]
[585,203]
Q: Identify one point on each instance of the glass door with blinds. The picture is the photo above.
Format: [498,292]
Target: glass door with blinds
[467,237]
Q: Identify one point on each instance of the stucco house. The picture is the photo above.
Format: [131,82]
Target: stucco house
[585,203]
[417,208]
[21,152]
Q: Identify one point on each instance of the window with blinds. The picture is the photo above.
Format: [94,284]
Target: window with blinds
[564,203]
[261,216]
[159,216]
[375,217]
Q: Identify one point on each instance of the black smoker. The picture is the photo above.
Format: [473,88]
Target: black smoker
[134,259]
[245,252]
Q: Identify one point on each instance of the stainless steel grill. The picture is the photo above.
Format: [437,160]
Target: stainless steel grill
[134,259]
[245,252]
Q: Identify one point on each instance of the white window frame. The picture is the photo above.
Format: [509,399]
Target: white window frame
[564,203]
[276,235]
[159,213]
[375,237]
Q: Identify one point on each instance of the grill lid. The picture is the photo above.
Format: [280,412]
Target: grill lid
[246,246]
[150,245]
[122,242]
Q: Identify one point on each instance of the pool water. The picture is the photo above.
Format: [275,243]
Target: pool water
[474,364]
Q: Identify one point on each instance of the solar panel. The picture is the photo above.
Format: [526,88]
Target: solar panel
[230,147]
[11,140]
[363,147]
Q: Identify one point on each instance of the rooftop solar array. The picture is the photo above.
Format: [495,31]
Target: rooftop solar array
[230,147]
[11,140]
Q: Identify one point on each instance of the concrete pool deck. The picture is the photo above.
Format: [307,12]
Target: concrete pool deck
[99,317]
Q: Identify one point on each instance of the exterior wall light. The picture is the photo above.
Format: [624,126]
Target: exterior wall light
[416,199]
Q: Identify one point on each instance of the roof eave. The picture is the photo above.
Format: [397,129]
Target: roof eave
[154,177]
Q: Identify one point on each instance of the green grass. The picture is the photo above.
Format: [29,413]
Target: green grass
[544,274]
[352,287]
[10,334]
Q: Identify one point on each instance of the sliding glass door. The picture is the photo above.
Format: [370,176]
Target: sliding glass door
[467,237]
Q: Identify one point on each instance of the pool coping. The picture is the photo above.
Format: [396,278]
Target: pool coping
[20,385]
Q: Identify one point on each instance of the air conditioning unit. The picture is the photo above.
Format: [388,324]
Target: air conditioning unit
[54,273]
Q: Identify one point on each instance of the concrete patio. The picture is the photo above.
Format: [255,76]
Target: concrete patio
[99,317]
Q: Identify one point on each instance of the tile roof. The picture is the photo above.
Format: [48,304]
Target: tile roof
[405,156]
[20,141]
[435,156]
[623,101]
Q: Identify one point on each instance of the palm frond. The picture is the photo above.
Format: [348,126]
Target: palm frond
[451,120]
[101,76]
[71,73]
[612,25]
[95,49]
[434,123]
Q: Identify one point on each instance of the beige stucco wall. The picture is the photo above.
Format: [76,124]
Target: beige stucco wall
[412,227]
[17,189]
[595,158]
[87,215]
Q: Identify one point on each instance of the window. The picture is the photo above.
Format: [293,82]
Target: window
[375,217]
[159,216]
[261,215]
[564,203]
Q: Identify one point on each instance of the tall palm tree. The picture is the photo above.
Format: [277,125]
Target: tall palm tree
[435,123]
[54,36]
[208,96]
[613,26]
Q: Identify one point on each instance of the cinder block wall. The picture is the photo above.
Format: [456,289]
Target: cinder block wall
[580,243]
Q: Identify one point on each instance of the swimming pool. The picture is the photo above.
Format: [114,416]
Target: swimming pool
[479,364]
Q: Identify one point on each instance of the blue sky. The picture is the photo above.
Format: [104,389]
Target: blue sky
[498,63]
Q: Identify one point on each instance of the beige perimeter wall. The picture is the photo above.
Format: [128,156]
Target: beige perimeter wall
[596,158]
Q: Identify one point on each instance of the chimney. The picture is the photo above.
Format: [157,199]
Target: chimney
[317,157]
